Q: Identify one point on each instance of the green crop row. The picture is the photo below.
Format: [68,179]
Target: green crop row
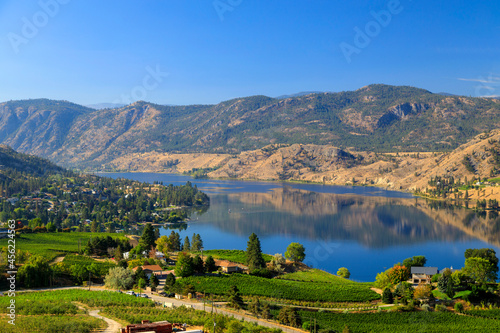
[51,245]
[282,289]
[395,322]
[52,324]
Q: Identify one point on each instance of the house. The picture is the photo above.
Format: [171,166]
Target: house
[422,274]
[150,270]
[228,266]
[147,326]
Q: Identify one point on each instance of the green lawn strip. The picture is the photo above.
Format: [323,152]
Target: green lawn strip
[440,295]
[248,285]
[238,256]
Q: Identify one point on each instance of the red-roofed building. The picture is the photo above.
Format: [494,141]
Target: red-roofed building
[228,266]
[147,326]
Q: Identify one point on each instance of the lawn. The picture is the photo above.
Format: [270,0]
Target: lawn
[51,245]
[238,256]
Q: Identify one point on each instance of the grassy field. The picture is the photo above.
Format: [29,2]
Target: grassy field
[238,256]
[339,290]
[51,245]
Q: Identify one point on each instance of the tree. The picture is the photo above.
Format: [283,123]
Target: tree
[254,306]
[398,274]
[35,273]
[141,283]
[254,253]
[148,236]
[163,244]
[119,278]
[210,264]
[184,265]
[186,247]
[118,253]
[382,279]
[170,280]
[198,265]
[480,270]
[415,261]
[445,283]
[343,272]
[94,226]
[153,282]
[174,242]
[196,243]
[266,312]
[289,316]
[140,274]
[387,296]
[235,300]
[277,263]
[488,254]
[423,291]
[51,227]
[295,252]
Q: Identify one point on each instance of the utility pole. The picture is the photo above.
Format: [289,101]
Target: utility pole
[89,280]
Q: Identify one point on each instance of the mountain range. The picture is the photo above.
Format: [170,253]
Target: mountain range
[378,118]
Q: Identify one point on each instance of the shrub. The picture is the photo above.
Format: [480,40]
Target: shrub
[459,307]
[441,308]
[387,297]
[343,272]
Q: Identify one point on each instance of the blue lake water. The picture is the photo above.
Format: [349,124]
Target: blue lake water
[365,229]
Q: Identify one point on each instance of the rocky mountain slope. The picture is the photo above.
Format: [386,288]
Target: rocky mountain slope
[376,118]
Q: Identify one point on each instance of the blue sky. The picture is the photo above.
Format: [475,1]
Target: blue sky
[206,51]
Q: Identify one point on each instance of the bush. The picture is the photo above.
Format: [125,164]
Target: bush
[262,272]
[343,272]
[426,307]
[387,297]
[441,308]
[459,307]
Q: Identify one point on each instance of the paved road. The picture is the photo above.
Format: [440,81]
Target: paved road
[208,308]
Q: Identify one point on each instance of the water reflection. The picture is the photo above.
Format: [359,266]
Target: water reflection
[375,222]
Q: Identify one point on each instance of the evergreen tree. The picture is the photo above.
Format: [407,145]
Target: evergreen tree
[174,242]
[186,247]
[198,265]
[196,243]
[235,300]
[153,282]
[170,280]
[387,296]
[254,253]
[148,238]
[184,265]
[210,264]
[94,227]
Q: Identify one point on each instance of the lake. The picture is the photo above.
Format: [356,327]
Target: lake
[365,229]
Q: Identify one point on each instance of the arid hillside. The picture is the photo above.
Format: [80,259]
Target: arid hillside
[331,165]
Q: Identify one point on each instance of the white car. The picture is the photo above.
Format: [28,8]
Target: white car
[131,292]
